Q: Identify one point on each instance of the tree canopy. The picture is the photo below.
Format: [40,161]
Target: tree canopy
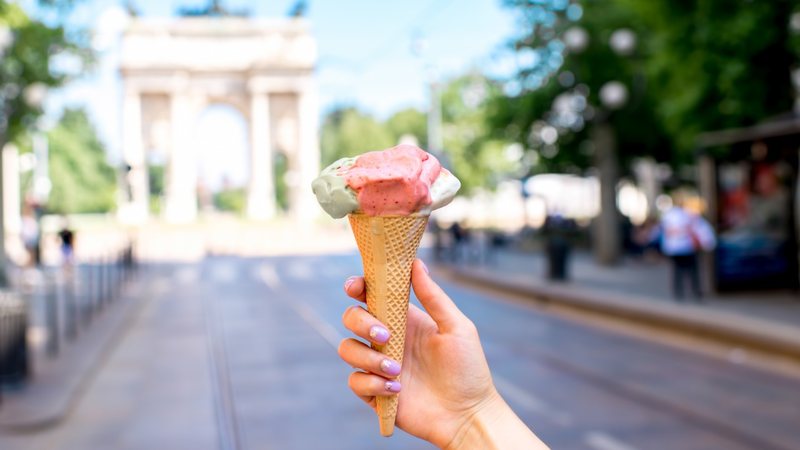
[687,67]
[25,71]
[346,131]
[83,182]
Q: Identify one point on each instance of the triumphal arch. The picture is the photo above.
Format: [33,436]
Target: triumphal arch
[172,69]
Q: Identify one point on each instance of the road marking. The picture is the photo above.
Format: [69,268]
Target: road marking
[525,399]
[300,270]
[599,440]
[268,274]
[223,272]
[320,325]
[187,275]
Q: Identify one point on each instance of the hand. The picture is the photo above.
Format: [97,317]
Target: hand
[446,382]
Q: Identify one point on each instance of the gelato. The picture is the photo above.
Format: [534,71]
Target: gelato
[402,180]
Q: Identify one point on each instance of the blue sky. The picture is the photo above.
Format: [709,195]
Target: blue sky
[365,56]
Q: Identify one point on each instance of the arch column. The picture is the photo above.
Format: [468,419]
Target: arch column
[261,187]
[134,207]
[304,204]
[181,186]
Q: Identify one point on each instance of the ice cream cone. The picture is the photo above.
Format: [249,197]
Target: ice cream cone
[388,246]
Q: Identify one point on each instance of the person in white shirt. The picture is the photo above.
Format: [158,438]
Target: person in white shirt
[683,236]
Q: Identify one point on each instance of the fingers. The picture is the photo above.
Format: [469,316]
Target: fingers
[367,385]
[355,288]
[360,356]
[438,304]
[365,325]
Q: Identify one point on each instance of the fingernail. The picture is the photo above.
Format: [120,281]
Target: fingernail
[390,367]
[393,386]
[348,282]
[379,334]
[424,267]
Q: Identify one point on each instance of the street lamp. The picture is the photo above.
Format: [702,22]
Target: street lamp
[613,95]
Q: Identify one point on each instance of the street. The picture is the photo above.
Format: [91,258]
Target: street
[236,353]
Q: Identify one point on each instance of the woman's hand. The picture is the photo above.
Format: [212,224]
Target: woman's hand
[445,380]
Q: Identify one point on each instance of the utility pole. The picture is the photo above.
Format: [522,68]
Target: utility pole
[435,144]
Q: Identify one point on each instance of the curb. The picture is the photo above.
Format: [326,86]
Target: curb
[695,320]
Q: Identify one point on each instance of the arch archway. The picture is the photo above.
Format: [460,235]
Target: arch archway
[173,70]
[220,140]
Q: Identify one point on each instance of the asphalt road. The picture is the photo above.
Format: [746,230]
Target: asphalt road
[240,354]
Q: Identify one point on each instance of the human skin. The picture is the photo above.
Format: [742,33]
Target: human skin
[448,397]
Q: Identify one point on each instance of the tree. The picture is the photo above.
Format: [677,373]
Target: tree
[716,64]
[25,49]
[696,65]
[476,156]
[347,131]
[409,121]
[83,182]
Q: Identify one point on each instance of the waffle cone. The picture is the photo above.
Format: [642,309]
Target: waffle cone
[388,246]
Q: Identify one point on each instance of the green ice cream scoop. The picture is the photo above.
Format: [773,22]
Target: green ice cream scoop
[333,194]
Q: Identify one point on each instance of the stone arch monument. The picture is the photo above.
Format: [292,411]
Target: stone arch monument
[172,69]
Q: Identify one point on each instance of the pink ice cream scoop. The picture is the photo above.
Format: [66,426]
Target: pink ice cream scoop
[396,181]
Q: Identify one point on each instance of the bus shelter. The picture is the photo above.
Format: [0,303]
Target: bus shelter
[748,178]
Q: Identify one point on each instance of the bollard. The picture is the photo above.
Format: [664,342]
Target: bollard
[51,306]
[98,268]
[84,292]
[89,289]
[110,274]
[71,308]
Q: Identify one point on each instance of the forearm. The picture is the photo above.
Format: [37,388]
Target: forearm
[495,427]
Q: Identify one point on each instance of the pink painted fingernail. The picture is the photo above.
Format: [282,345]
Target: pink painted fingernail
[379,334]
[349,282]
[390,367]
[393,386]
[424,267]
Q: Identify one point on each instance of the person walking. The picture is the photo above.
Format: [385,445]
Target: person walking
[684,235]
[30,236]
[67,237]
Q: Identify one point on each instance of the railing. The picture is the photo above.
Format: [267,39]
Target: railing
[58,303]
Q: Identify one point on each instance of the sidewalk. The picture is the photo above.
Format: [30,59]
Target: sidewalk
[640,291]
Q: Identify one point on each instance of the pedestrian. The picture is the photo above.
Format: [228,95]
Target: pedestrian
[30,236]
[449,397]
[684,235]
[67,237]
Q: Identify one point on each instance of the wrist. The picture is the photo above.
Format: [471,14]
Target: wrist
[475,427]
[493,426]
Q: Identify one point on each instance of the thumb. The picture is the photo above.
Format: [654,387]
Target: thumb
[435,301]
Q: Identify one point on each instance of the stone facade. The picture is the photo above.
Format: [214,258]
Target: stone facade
[172,69]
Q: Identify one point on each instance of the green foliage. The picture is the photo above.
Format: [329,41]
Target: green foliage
[716,64]
[409,121]
[280,168]
[23,64]
[349,132]
[233,200]
[83,182]
[155,178]
[475,155]
[699,65]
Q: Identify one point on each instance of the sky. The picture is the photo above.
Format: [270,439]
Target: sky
[365,54]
